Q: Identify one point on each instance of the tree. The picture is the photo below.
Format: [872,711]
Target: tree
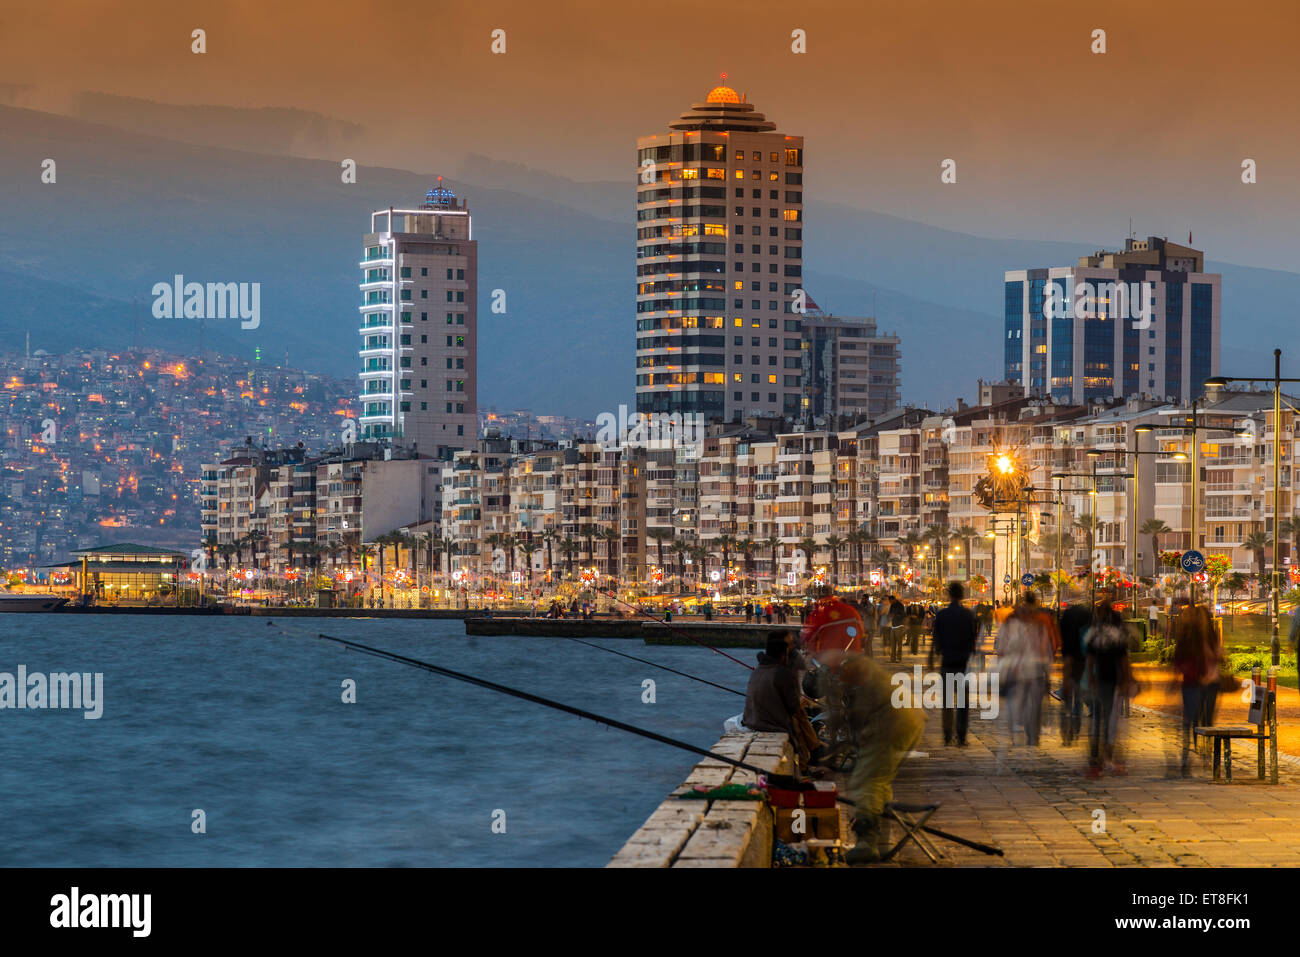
[835,543]
[809,547]
[1155,528]
[1052,542]
[680,548]
[939,535]
[549,538]
[588,533]
[1257,543]
[700,555]
[966,534]
[1236,583]
[773,545]
[1291,526]
[569,549]
[746,546]
[911,542]
[613,550]
[529,549]
[660,535]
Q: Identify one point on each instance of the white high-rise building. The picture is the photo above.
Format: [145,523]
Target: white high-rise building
[419,326]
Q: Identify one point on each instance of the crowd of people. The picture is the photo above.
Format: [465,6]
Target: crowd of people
[831,670]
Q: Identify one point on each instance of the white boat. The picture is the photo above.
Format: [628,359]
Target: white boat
[10,601]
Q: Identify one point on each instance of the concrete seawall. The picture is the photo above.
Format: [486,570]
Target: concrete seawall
[695,833]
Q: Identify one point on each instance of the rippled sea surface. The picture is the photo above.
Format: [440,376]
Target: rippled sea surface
[246,722]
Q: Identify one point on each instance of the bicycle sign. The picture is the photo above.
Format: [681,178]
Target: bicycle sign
[1193,562]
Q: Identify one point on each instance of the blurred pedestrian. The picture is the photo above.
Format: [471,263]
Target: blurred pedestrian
[1109,675]
[1025,648]
[1075,620]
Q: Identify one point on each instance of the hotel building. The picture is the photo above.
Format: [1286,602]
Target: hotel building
[419,326]
[719,263]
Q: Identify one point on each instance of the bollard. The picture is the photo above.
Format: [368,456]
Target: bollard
[1272,722]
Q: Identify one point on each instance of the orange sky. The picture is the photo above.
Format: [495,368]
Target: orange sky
[1051,141]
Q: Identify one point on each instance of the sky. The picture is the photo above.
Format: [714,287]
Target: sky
[1051,140]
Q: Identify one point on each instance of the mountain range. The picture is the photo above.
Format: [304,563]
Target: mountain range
[145,192]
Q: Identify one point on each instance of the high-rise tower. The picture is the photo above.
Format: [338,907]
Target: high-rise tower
[419,326]
[719,263]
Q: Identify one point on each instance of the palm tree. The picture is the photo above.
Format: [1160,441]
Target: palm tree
[529,549]
[569,549]
[613,550]
[588,533]
[660,535]
[1291,526]
[723,543]
[911,541]
[809,548]
[1258,543]
[966,534]
[939,534]
[1054,542]
[1155,528]
[746,548]
[681,549]
[773,545]
[549,538]
[700,554]
[835,543]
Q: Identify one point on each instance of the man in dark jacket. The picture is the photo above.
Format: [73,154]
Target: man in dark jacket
[772,699]
[1075,620]
[955,633]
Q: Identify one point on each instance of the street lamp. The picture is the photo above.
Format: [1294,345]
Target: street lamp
[1220,382]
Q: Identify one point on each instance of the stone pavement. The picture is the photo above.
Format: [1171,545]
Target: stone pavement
[1039,806]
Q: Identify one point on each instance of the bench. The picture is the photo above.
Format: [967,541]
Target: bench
[1223,735]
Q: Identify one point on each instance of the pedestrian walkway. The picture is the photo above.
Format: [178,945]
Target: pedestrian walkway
[1040,807]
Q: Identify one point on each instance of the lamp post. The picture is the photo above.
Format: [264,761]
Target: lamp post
[1219,382]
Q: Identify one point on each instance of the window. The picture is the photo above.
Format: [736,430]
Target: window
[424,294]
[424,270]
[448,273]
[406,272]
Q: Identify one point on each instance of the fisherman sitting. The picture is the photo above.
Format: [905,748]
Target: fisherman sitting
[772,699]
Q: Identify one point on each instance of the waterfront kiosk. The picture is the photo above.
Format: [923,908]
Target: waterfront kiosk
[128,571]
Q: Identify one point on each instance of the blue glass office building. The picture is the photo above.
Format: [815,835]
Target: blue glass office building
[1143,321]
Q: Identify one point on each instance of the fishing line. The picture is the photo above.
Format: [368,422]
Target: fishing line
[668,625]
[653,664]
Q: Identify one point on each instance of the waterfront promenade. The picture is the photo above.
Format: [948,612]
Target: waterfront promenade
[1039,806]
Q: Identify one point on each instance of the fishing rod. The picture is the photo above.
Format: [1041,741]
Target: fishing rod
[653,664]
[780,780]
[669,626]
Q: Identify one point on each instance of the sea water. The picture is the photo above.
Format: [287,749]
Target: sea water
[226,741]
